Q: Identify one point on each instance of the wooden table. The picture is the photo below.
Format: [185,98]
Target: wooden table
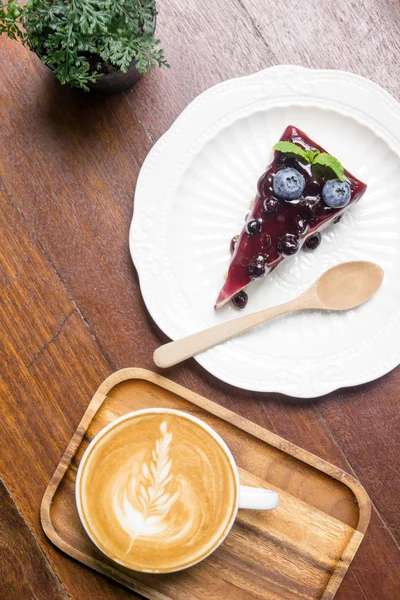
[71,310]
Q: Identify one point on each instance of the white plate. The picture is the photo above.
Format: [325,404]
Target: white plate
[194,190]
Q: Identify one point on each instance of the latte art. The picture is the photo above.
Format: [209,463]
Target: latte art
[142,500]
[157,492]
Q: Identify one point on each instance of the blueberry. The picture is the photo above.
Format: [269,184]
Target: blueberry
[233,243]
[288,244]
[240,300]
[254,226]
[257,267]
[289,184]
[313,242]
[313,187]
[301,224]
[266,186]
[282,158]
[336,193]
[271,205]
[310,205]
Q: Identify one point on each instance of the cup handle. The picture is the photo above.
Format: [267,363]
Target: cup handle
[257,498]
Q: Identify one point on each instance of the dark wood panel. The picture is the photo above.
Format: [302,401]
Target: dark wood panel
[25,572]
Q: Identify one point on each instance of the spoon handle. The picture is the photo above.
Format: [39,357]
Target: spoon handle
[174,352]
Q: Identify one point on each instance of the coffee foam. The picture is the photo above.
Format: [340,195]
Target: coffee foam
[158,492]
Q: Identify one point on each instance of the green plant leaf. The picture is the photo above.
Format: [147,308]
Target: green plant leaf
[311,154]
[327,160]
[292,150]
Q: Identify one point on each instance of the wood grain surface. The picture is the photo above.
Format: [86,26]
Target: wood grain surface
[25,572]
[301,550]
[70,308]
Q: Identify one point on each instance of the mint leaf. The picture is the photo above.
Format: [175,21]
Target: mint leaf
[311,154]
[314,157]
[292,150]
[327,160]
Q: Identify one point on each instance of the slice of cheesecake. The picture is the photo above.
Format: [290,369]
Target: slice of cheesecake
[302,192]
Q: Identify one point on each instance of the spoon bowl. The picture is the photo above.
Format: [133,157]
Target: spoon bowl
[348,285]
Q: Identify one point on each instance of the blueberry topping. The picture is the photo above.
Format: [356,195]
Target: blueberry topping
[240,300]
[254,226]
[233,243]
[313,242]
[289,184]
[257,267]
[336,193]
[288,244]
[266,241]
[271,205]
[271,256]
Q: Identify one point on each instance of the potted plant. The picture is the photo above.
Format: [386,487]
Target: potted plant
[105,44]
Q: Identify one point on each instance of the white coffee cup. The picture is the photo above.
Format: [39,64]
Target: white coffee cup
[246,497]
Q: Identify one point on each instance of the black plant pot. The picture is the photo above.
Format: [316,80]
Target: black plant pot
[116,82]
[111,83]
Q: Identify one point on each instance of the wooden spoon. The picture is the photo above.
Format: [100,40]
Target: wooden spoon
[343,287]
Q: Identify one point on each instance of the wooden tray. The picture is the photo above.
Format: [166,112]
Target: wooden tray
[300,551]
